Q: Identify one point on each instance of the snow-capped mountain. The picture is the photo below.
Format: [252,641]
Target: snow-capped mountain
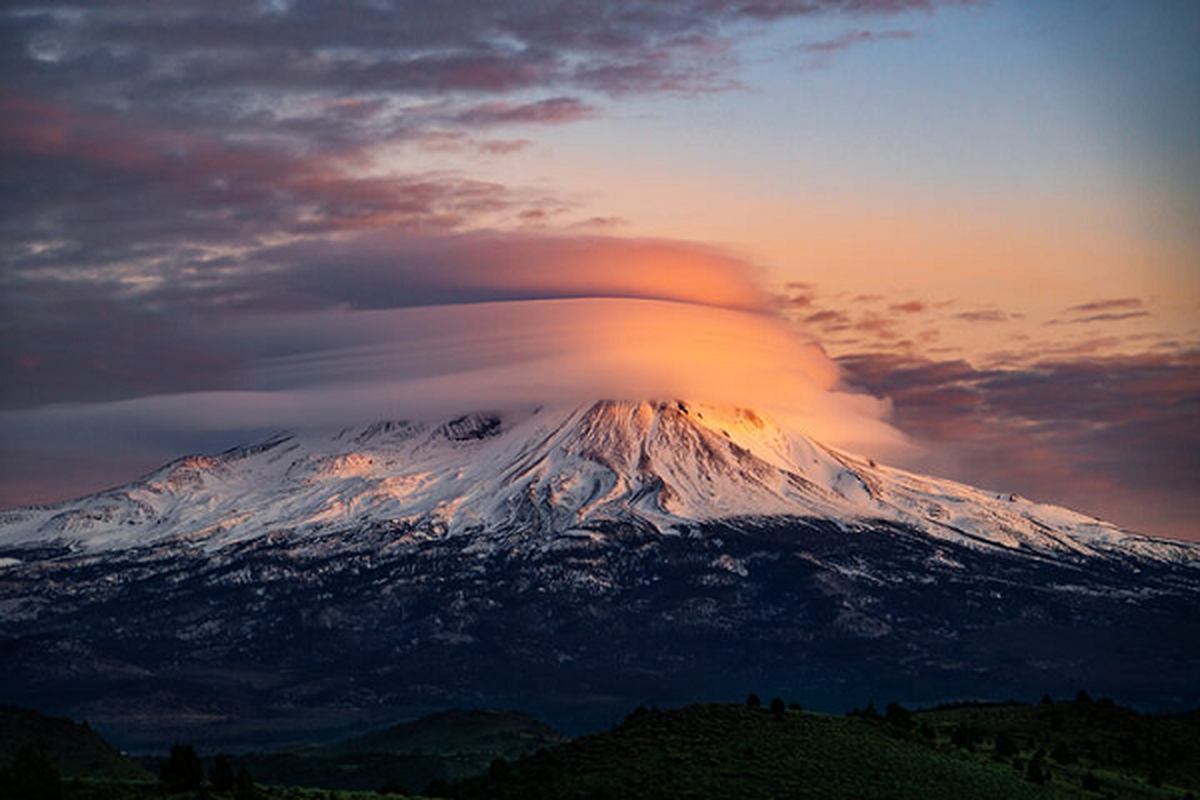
[573,562]
[526,479]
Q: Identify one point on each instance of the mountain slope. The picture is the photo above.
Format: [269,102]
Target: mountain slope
[571,562]
[548,474]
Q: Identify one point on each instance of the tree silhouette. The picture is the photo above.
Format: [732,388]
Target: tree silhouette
[243,785]
[221,775]
[182,772]
[752,701]
[778,708]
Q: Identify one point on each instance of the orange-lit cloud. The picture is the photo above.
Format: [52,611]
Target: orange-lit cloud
[380,327]
[357,366]
[430,360]
[386,269]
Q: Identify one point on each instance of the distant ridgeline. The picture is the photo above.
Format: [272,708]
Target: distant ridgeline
[1082,748]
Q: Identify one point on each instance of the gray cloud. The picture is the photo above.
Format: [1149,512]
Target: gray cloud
[69,341]
[1116,309]
[1115,436]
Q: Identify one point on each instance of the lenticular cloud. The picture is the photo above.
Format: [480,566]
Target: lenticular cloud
[411,330]
[441,359]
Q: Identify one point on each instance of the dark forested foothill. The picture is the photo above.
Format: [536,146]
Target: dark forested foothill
[1085,748]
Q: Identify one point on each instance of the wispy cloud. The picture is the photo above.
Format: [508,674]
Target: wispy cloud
[820,53]
[1114,304]
[555,111]
[1117,309]
[986,315]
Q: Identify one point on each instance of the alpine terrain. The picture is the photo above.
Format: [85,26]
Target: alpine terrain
[570,562]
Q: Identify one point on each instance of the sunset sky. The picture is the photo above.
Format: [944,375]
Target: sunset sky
[961,235]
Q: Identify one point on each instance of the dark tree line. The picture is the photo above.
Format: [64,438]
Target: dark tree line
[183,772]
[31,776]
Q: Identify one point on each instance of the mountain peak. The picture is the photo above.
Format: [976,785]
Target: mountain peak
[550,472]
[404,564]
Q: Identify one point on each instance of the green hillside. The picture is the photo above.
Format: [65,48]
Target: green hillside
[1085,747]
[718,751]
[462,736]
[75,750]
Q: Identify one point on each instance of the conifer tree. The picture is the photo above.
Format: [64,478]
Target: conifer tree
[221,775]
[182,772]
[243,785]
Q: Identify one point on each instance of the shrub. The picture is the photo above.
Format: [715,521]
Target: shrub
[964,736]
[898,716]
[437,788]
[1037,772]
[1063,754]
[393,787]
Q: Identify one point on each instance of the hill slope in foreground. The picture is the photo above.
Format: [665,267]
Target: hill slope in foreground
[1064,750]
[75,750]
[1077,749]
